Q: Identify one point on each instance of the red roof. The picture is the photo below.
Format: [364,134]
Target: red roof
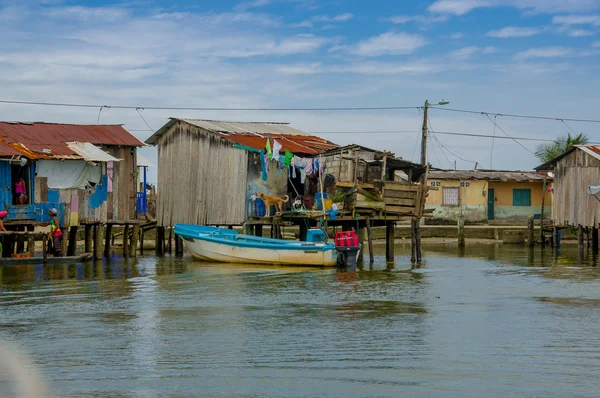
[33,140]
[305,144]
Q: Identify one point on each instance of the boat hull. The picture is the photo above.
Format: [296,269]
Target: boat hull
[211,251]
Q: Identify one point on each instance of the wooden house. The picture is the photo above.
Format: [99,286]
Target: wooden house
[481,196]
[574,171]
[87,172]
[376,182]
[209,171]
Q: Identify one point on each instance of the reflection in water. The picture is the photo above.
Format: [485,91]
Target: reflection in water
[483,320]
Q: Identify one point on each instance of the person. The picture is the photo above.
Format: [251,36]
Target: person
[20,191]
[55,232]
[3,215]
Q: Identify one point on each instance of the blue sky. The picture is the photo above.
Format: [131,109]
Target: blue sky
[510,56]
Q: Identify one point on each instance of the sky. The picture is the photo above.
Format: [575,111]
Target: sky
[532,57]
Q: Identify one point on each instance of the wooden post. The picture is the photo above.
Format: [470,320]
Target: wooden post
[580,236]
[170,245]
[72,249]
[107,240]
[45,249]
[530,227]
[31,244]
[63,243]
[126,241]
[461,231]
[303,230]
[160,241]
[413,241]
[418,241]
[595,240]
[370,239]
[258,230]
[178,245]
[135,234]
[389,241]
[98,241]
[542,216]
[20,242]
[555,236]
[142,240]
[88,237]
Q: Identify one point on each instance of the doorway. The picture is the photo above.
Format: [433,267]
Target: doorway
[21,172]
[491,203]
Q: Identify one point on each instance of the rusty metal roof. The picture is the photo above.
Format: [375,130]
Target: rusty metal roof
[47,140]
[592,150]
[254,135]
[487,175]
[90,152]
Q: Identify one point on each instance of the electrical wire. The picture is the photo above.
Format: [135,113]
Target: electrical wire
[445,147]
[492,149]
[508,135]
[515,115]
[138,110]
[569,127]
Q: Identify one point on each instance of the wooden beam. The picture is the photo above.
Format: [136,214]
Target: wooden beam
[400,194]
[400,210]
[402,187]
[400,202]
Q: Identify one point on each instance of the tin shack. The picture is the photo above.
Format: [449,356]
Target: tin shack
[87,172]
[209,171]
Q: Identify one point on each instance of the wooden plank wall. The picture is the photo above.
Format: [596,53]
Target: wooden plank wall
[572,176]
[201,178]
[343,168]
[123,199]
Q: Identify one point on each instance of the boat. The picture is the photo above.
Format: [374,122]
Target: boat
[49,260]
[226,245]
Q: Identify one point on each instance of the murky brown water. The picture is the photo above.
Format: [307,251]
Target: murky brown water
[490,321]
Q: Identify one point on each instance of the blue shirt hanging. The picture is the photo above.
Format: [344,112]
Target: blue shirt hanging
[262,166]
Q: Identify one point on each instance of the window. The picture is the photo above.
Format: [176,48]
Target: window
[450,196]
[465,184]
[521,197]
[435,183]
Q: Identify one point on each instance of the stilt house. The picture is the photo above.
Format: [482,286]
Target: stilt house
[574,171]
[87,172]
[209,171]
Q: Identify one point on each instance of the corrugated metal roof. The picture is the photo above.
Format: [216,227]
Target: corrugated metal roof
[47,140]
[592,150]
[488,175]
[90,152]
[254,135]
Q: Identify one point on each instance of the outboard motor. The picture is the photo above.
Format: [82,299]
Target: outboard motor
[346,243]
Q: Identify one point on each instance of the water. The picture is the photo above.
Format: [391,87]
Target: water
[492,320]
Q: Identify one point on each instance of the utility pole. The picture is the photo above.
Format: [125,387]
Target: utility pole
[416,255]
[424,135]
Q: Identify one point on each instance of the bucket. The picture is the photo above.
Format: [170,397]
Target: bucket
[319,202]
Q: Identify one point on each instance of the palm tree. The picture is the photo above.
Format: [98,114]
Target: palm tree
[551,150]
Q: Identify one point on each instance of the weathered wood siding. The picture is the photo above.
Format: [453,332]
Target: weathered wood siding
[572,176]
[275,185]
[342,165]
[122,200]
[201,178]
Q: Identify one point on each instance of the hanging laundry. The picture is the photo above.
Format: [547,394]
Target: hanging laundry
[268,149]
[267,163]
[288,158]
[308,167]
[316,165]
[263,167]
[276,149]
[322,167]
[302,175]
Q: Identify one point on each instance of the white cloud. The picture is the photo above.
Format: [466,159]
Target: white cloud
[577,20]
[300,69]
[462,7]
[390,43]
[88,13]
[420,19]
[490,50]
[596,44]
[514,31]
[457,7]
[457,36]
[386,68]
[309,23]
[580,33]
[545,52]
[465,52]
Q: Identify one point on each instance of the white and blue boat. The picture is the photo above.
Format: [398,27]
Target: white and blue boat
[226,245]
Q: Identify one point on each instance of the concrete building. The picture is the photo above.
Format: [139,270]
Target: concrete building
[484,196]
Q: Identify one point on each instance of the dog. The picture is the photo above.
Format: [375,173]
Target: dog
[273,200]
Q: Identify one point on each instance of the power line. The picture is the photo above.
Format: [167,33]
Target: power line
[177,108]
[358,108]
[437,132]
[508,135]
[492,149]
[445,147]
[515,115]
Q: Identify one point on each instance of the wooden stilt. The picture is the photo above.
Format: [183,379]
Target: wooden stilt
[107,240]
[98,241]
[370,241]
[595,239]
[303,229]
[21,242]
[413,241]
[31,245]
[126,241]
[554,236]
[45,250]
[530,228]
[461,231]
[160,241]
[135,234]
[418,241]
[258,230]
[362,232]
[142,240]
[72,249]
[580,236]
[89,231]
[170,244]
[389,241]
[178,245]
[64,241]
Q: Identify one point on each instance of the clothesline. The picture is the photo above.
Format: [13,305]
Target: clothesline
[305,166]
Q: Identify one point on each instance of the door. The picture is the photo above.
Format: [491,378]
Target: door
[5,185]
[491,203]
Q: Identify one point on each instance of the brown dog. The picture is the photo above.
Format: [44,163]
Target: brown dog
[273,200]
